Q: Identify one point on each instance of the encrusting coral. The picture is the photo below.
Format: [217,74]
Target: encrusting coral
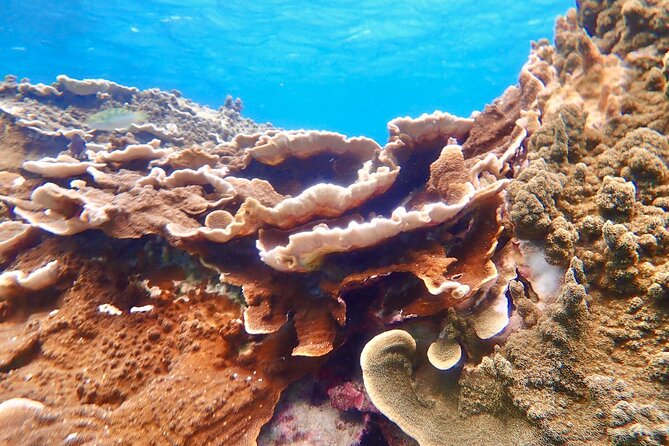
[502,276]
[597,193]
[422,408]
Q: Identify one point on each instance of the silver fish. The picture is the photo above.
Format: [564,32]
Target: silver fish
[115,118]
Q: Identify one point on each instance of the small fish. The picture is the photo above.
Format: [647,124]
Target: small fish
[115,118]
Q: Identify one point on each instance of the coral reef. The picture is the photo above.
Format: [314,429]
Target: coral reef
[193,277]
[422,408]
[356,196]
[304,418]
[596,194]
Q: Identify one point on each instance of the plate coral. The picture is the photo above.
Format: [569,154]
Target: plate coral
[174,274]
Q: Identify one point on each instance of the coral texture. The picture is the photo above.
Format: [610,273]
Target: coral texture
[197,278]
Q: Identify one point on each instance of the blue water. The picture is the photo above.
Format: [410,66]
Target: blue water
[347,65]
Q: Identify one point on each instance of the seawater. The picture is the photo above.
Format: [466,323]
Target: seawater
[347,65]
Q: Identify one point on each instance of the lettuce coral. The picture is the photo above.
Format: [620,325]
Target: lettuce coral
[500,276]
[133,190]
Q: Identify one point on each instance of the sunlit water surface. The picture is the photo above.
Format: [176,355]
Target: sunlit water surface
[347,65]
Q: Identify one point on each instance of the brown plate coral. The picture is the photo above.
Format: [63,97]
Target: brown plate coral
[196,278]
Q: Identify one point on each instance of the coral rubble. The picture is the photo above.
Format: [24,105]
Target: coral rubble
[198,278]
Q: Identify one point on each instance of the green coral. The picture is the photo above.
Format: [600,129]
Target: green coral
[616,198]
[640,157]
[532,199]
[560,242]
[622,254]
[569,311]
[484,388]
[590,227]
[526,309]
[562,138]
[659,289]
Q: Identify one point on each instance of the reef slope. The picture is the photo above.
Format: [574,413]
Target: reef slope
[173,274]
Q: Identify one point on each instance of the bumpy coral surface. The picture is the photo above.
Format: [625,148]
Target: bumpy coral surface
[192,277]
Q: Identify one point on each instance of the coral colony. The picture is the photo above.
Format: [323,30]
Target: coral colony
[173,274]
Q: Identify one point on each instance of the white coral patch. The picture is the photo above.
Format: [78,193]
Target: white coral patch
[545,278]
[109,309]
